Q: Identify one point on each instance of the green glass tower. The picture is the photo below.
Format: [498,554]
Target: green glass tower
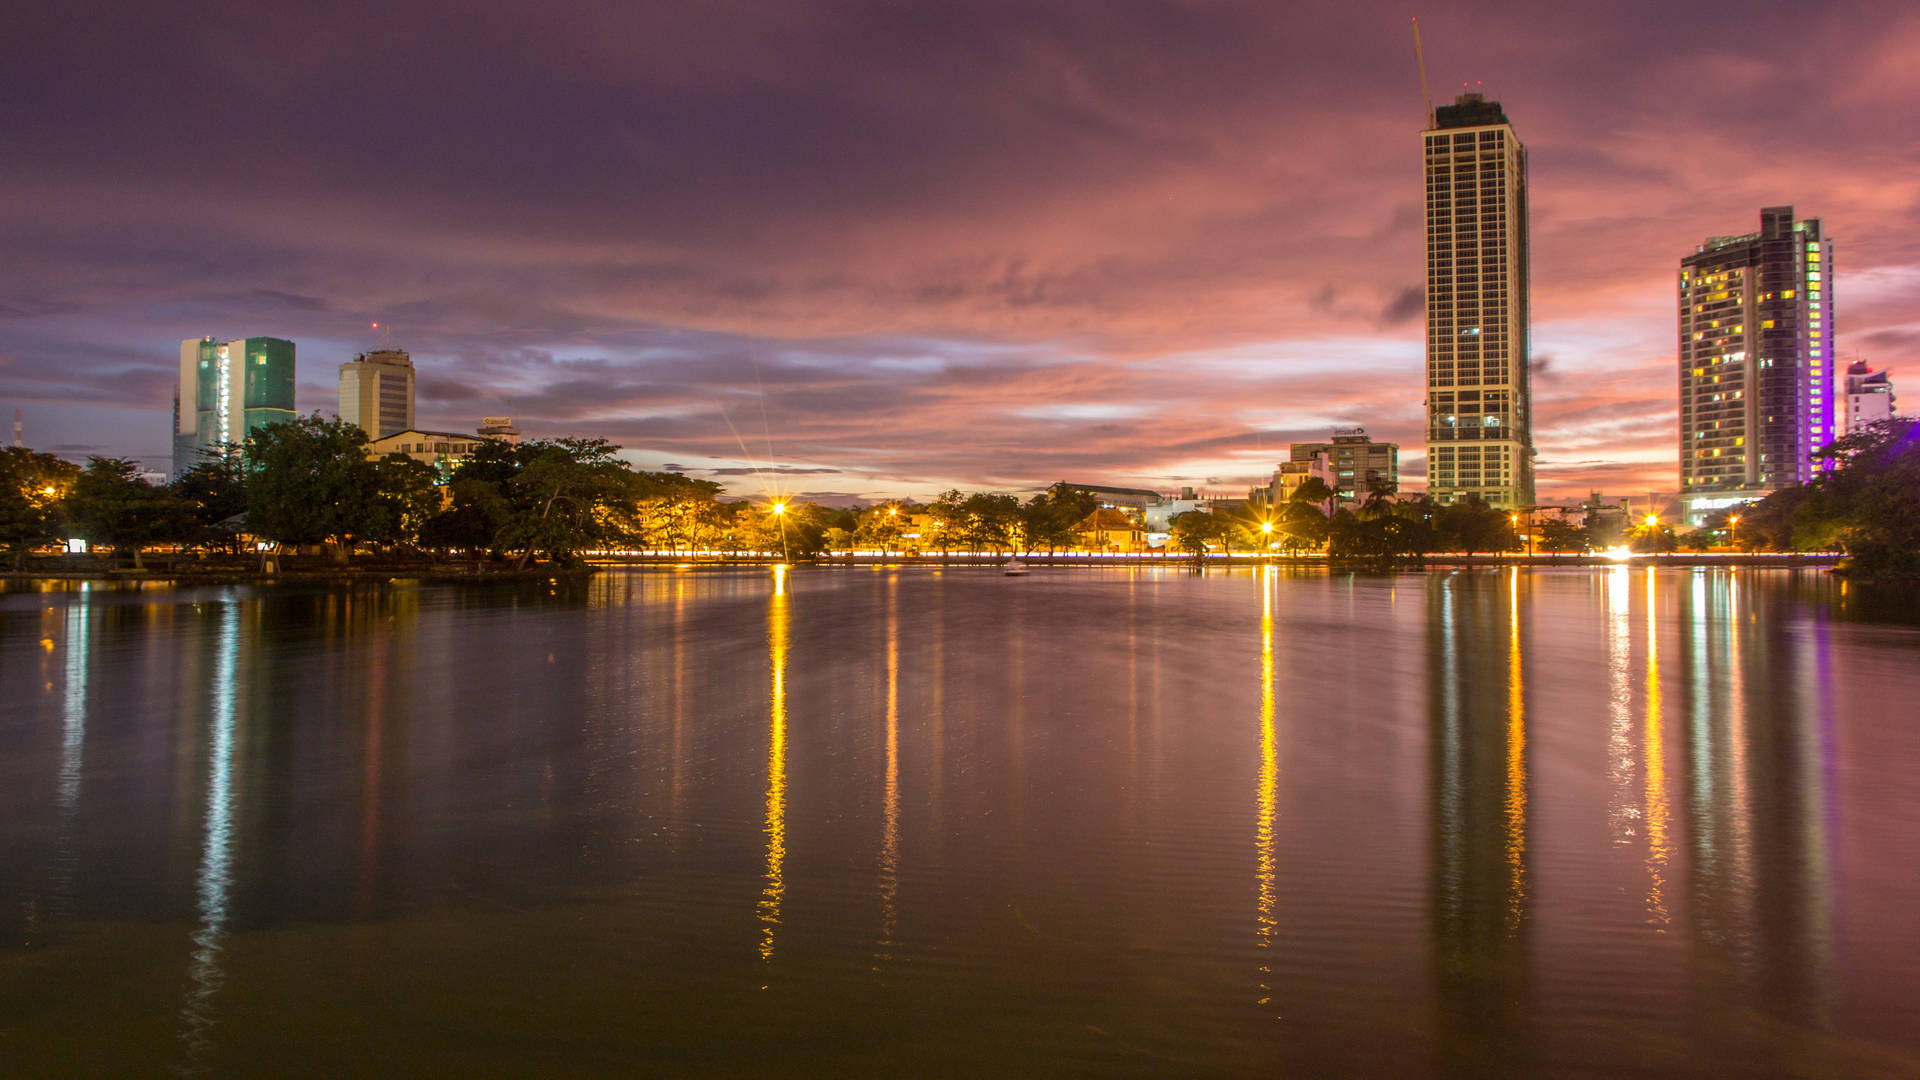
[226,390]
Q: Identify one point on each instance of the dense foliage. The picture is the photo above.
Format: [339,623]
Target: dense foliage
[33,490]
[309,483]
[1866,504]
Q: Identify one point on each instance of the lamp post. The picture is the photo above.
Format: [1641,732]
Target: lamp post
[1733,531]
[1266,530]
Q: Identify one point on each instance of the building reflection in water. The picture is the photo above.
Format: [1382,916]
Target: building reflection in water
[1655,809]
[73,737]
[774,889]
[890,784]
[1480,888]
[1758,706]
[214,880]
[1266,796]
[1623,801]
[1637,805]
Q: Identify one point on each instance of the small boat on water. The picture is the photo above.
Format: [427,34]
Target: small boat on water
[1014,568]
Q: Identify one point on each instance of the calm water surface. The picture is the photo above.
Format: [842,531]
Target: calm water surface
[837,821]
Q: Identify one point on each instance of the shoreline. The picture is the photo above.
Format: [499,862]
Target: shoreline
[463,574]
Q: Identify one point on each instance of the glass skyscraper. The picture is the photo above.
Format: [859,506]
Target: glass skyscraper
[227,389]
[1757,395]
[1479,402]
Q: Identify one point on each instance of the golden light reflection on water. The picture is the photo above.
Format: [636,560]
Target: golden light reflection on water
[776,827]
[1623,810]
[1516,803]
[890,830]
[1658,843]
[1265,797]
[677,785]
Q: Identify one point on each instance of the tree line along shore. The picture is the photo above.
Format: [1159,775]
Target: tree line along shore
[304,497]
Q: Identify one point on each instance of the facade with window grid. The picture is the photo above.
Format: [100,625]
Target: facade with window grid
[1757,394]
[376,391]
[1479,400]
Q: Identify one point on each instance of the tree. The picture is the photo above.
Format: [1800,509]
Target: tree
[1316,491]
[667,511]
[213,491]
[1471,526]
[990,521]
[309,482]
[1301,527]
[1049,517]
[407,494]
[562,495]
[111,504]
[947,519]
[880,526]
[1652,538]
[1869,503]
[1197,532]
[476,511]
[1557,535]
[33,487]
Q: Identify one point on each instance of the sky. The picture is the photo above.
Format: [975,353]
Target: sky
[879,249]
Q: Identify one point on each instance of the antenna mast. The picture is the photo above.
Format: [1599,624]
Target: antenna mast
[1426,99]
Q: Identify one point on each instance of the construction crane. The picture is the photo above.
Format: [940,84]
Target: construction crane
[1420,57]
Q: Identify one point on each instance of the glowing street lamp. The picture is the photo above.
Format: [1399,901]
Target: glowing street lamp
[1733,529]
[779,508]
[1653,520]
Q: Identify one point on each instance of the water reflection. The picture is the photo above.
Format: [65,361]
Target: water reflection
[1759,703]
[1608,811]
[890,783]
[1480,892]
[73,738]
[215,878]
[1659,845]
[775,887]
[1265,799]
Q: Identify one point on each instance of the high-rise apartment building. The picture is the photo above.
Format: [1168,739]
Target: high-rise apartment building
[226,390]
[376,391]
[1356,462]
[1756,362]
[1868,398]
[1479,403]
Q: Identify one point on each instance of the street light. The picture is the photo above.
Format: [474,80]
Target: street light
[779,508]
[1652,520]
[1733,530]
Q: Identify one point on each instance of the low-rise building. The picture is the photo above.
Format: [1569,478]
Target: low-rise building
[1357,463]
[1869,397]
[442,449]
[1108,529]
[1130,501]
[501,428]
[1291,474]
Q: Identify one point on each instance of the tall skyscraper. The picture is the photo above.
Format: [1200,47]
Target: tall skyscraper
[376,391]
[227,389]
[1756,362]
[1479,402]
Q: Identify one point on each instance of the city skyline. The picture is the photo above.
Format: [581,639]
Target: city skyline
[894,253]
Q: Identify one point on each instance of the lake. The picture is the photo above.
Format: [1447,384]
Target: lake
[914,821]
